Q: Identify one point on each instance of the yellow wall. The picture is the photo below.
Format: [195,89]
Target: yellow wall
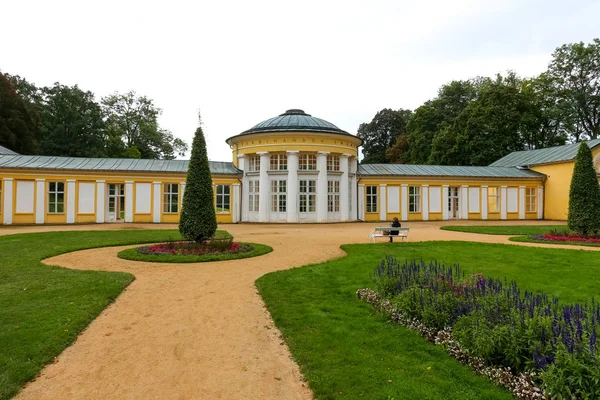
[556,193]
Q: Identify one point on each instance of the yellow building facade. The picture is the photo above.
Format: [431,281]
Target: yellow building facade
[291,168]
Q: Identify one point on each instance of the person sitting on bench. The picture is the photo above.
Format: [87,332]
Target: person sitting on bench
[395,224]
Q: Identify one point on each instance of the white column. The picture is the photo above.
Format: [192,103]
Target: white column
[484,202]
[100,196]
[128,201]
[540,213]
[292,186]
[263,200]
[361,201]
[344,192]
[353,190]
[40,203]
[382,202]
[322,186]
[425,202]
[404,202]
[503,202]
[464,202]
[521,202]
[182,190]
[157,202]
[7,191]
[445,202]
[236,203]
[70,201]
[245,195]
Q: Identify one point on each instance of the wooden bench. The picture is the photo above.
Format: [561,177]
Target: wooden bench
[384,231]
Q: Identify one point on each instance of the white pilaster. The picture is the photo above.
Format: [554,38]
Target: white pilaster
[263,200]
[503,202]
[445,189]
[7,191]
[322,186]
[128,201]
[292,186]
[344,188]
[182,185]
[382,202]
[521,202]
[40,203]
[70,201]
[361,201]
[540,213]
[157,203]
[236,203]
[353,190]
[404,202]
[484,202]
[425,202]
[100,196]
[245,194]
[464,202]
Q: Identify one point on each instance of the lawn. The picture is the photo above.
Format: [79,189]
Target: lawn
[346,350]
[43,308]
[505,229]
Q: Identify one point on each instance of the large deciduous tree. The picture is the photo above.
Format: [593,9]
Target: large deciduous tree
[584,195]
[17,124]
[575,69]
[379,134]
[133,119]
[198,221]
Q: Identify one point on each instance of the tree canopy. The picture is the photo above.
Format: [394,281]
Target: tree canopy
[379,134]
[17,124]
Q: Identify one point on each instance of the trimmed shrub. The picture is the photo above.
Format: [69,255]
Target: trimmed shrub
[198,220]
[584,195]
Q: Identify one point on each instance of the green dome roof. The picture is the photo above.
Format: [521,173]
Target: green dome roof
[292,121]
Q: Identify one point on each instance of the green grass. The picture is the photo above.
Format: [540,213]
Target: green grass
[506,230]
[44,308]
[346,350]
[134,255]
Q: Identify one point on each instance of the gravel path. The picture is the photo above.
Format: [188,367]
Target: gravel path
[198,331]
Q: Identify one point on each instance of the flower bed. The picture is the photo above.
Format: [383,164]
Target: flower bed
[566,237]
[497,329]
[194,249]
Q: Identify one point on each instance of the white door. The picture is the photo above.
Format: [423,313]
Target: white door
[453,203]
[307,200]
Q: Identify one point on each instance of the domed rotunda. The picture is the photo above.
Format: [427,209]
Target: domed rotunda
[297,168]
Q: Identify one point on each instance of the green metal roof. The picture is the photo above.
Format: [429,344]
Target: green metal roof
[110,164]
[294,120]
[5,151]
[445,171]
[543,156]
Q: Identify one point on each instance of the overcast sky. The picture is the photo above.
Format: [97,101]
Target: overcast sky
[241,62]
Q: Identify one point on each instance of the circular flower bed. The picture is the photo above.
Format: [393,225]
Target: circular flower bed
[195,249]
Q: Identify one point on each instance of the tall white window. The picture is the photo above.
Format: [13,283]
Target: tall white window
[307,162]
[333,163]
[530,199]
[253,163]
[333,196]
[253,195]
[308,198]
[414,199]
[278,162]
[493,200]
[279,196]
[56,197]
[223,199]
[371,199]
[1,195]
[171,198]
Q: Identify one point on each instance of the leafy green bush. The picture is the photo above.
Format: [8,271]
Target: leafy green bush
[584,195]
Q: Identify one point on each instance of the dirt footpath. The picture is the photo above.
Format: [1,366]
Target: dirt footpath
[196,331]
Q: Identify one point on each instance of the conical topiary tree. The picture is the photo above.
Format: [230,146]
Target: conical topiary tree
[198,220]
[584,196]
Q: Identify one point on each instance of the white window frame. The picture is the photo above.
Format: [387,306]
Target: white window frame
[414,199]
[493,199]
[279,195]
[53,205]
[530,199]
[170,198]
[333,196]
[253,163]
[253,195]
[307,162]
[220,198]
[307,196]
[372,203]
[333,163]
[278,162]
